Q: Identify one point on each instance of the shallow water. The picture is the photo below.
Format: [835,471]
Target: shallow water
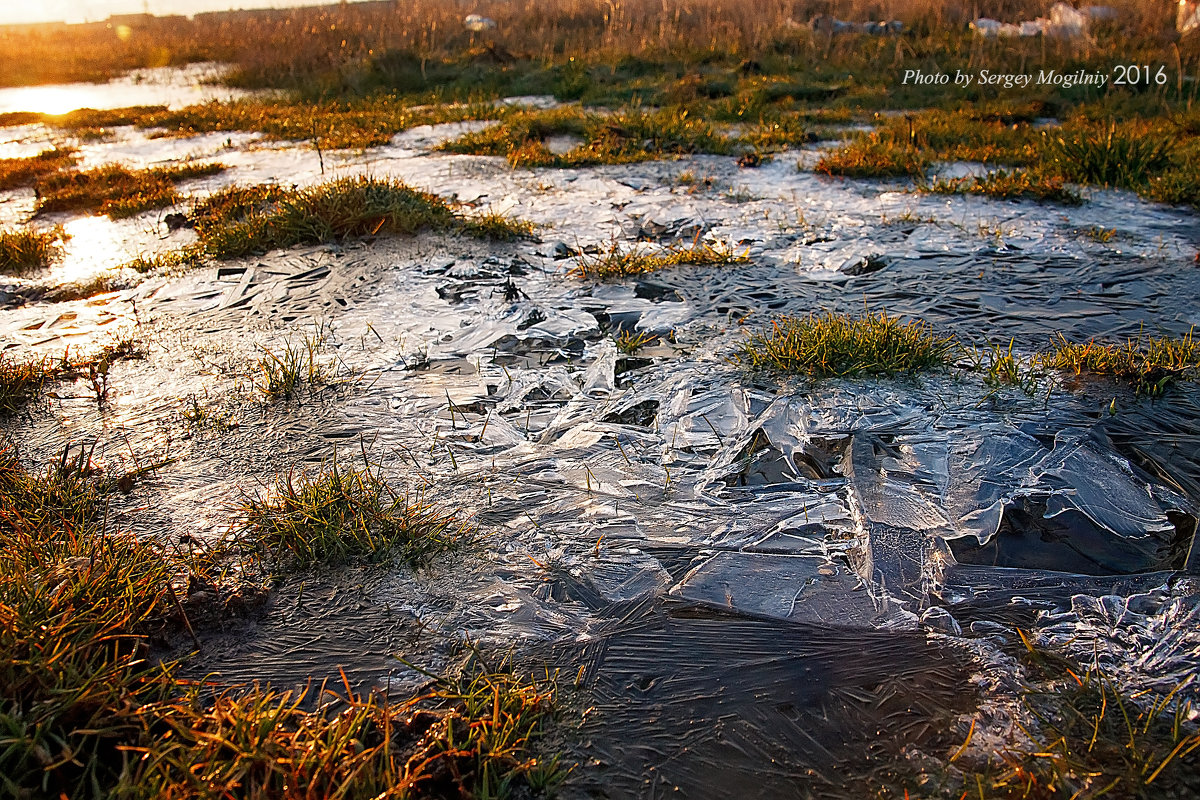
[155,86]
[740,572]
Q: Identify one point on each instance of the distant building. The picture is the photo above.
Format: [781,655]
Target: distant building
[131,20]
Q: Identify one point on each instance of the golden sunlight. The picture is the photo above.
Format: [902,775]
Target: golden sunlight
[47,99]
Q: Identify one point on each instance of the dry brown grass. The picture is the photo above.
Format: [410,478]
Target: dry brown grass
[274,46]
[15,172]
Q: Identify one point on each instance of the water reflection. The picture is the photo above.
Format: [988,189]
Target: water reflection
[166,86]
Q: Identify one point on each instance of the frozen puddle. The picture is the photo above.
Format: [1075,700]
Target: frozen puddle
[752,579]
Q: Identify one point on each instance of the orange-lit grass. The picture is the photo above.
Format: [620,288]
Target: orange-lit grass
[625,136]
[16,172]
[471,737]
[874,156]
[1015,185]
[619,263]
[242,220]
[21,380]
[1149,364]
[27,250]
[116,190]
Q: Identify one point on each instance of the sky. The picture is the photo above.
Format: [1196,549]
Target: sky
[19,12]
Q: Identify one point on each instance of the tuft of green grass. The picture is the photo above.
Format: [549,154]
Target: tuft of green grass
[339,515]
[629,342]
[26,250]
[620,263]
[839,345]
[21,380]
[1110,157]
[17,172]
[1001,367]
[1177,187]
[873,156]
[1005,185]
[285,373]
[1149,364]
[172,259]
[768,136]
[966,135]
[115,190]
[351,207]
[498,228]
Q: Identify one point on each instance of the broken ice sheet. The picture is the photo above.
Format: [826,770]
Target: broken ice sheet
[810,589]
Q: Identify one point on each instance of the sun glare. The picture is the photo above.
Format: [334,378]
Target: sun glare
[46,99]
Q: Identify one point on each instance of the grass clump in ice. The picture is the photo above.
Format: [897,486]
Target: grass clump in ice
[340,515]
[26,250]
[239,221]
[21,380]
[1109,157]
[874,156]
[839,346]
[171,259]
[17,172]
[498,228]
[115,190]
[1014,185]
[619,263]
[284,373]
[1149,364]
[1001,367]
[629,342]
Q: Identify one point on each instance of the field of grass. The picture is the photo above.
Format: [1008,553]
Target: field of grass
[357,73]
[1154,156]
[89,707]
[586,49]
